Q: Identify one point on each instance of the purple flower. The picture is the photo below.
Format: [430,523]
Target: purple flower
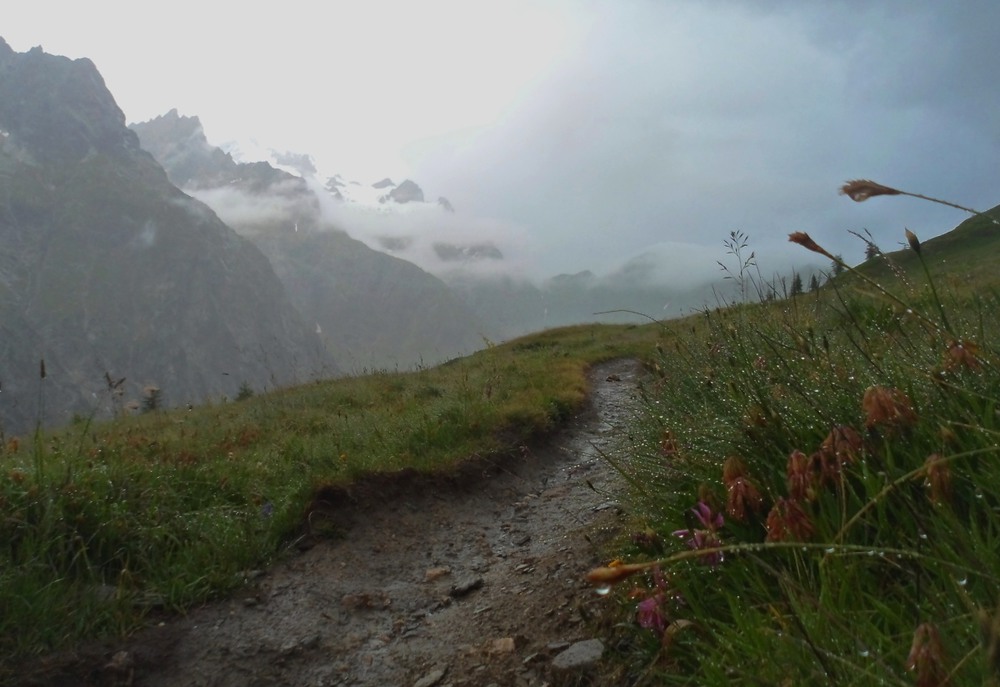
[708,520]
[705,538]
[650,614]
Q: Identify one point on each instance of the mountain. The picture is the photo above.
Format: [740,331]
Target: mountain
[371,310]
[108,271]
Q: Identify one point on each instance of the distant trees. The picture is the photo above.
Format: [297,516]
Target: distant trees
[813,284]
[796,289]
[152,398]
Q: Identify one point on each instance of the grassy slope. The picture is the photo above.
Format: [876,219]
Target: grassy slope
[872,559]
[103,521]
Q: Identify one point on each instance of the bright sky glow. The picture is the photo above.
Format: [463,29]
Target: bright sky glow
[593,129]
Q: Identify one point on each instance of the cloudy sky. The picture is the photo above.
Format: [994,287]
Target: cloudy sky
[592,131]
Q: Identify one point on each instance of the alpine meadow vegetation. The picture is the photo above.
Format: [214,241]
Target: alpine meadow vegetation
[816,482]
[105,524]
[812,478]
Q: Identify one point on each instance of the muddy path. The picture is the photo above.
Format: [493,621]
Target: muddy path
[474,580]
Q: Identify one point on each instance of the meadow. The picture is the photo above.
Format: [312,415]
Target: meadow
[104,525]
[814,480]
[817,486]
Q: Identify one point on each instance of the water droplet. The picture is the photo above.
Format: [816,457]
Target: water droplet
[829,550]
[963,581]
[603,590]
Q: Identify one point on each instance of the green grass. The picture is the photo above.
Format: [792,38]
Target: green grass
[874,564]
[102,522]
[871,560]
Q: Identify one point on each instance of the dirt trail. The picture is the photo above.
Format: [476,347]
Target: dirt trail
[475,580]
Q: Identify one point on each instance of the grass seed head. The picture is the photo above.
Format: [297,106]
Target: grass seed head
[804,240]
[927,658]
[860,190]
[938,479]
[887,407]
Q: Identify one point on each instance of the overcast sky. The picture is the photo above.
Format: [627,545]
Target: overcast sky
[593,130]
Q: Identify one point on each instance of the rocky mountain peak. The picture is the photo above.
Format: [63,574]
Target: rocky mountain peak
[385,183]
[70,114]
[109,269]
[407,192]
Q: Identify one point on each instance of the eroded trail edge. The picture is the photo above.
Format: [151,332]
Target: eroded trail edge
[463,582]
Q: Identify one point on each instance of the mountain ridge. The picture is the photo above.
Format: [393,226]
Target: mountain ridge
[109,269]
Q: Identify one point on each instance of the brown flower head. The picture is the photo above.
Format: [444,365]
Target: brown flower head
[800,477]
[744,498]
[863,189]
[732,469]
[668,444]
[962,355]
[804,240]
[787,521]
[927,657]
[827,468]
[912,239]
[937,477]
[844,443]
[887,407]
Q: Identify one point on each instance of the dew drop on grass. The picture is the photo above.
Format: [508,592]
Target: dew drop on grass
[962,581]
[603,590]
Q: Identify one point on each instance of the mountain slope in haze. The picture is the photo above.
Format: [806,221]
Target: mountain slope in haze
[106,267]
[372,310]
[966,254]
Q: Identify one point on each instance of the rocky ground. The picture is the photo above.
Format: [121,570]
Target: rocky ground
[477,579]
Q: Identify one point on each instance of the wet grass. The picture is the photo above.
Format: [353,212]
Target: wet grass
[817,482]
[103,523]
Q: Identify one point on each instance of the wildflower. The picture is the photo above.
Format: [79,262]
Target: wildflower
[926,657]
[699,540]
[709,520]
[647,540]
[668,444]
[732,469]
[705,537]
[938,478]
[860,190]
[885,406]
[826,467]
[962,354]
[844,443]
[788,522]
[743,498]
[804,240]
[650,613]
[800,477]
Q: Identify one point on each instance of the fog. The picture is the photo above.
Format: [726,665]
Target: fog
[581,135]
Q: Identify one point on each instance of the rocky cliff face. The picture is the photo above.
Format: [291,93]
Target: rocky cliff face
[370,309]
[106,267]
